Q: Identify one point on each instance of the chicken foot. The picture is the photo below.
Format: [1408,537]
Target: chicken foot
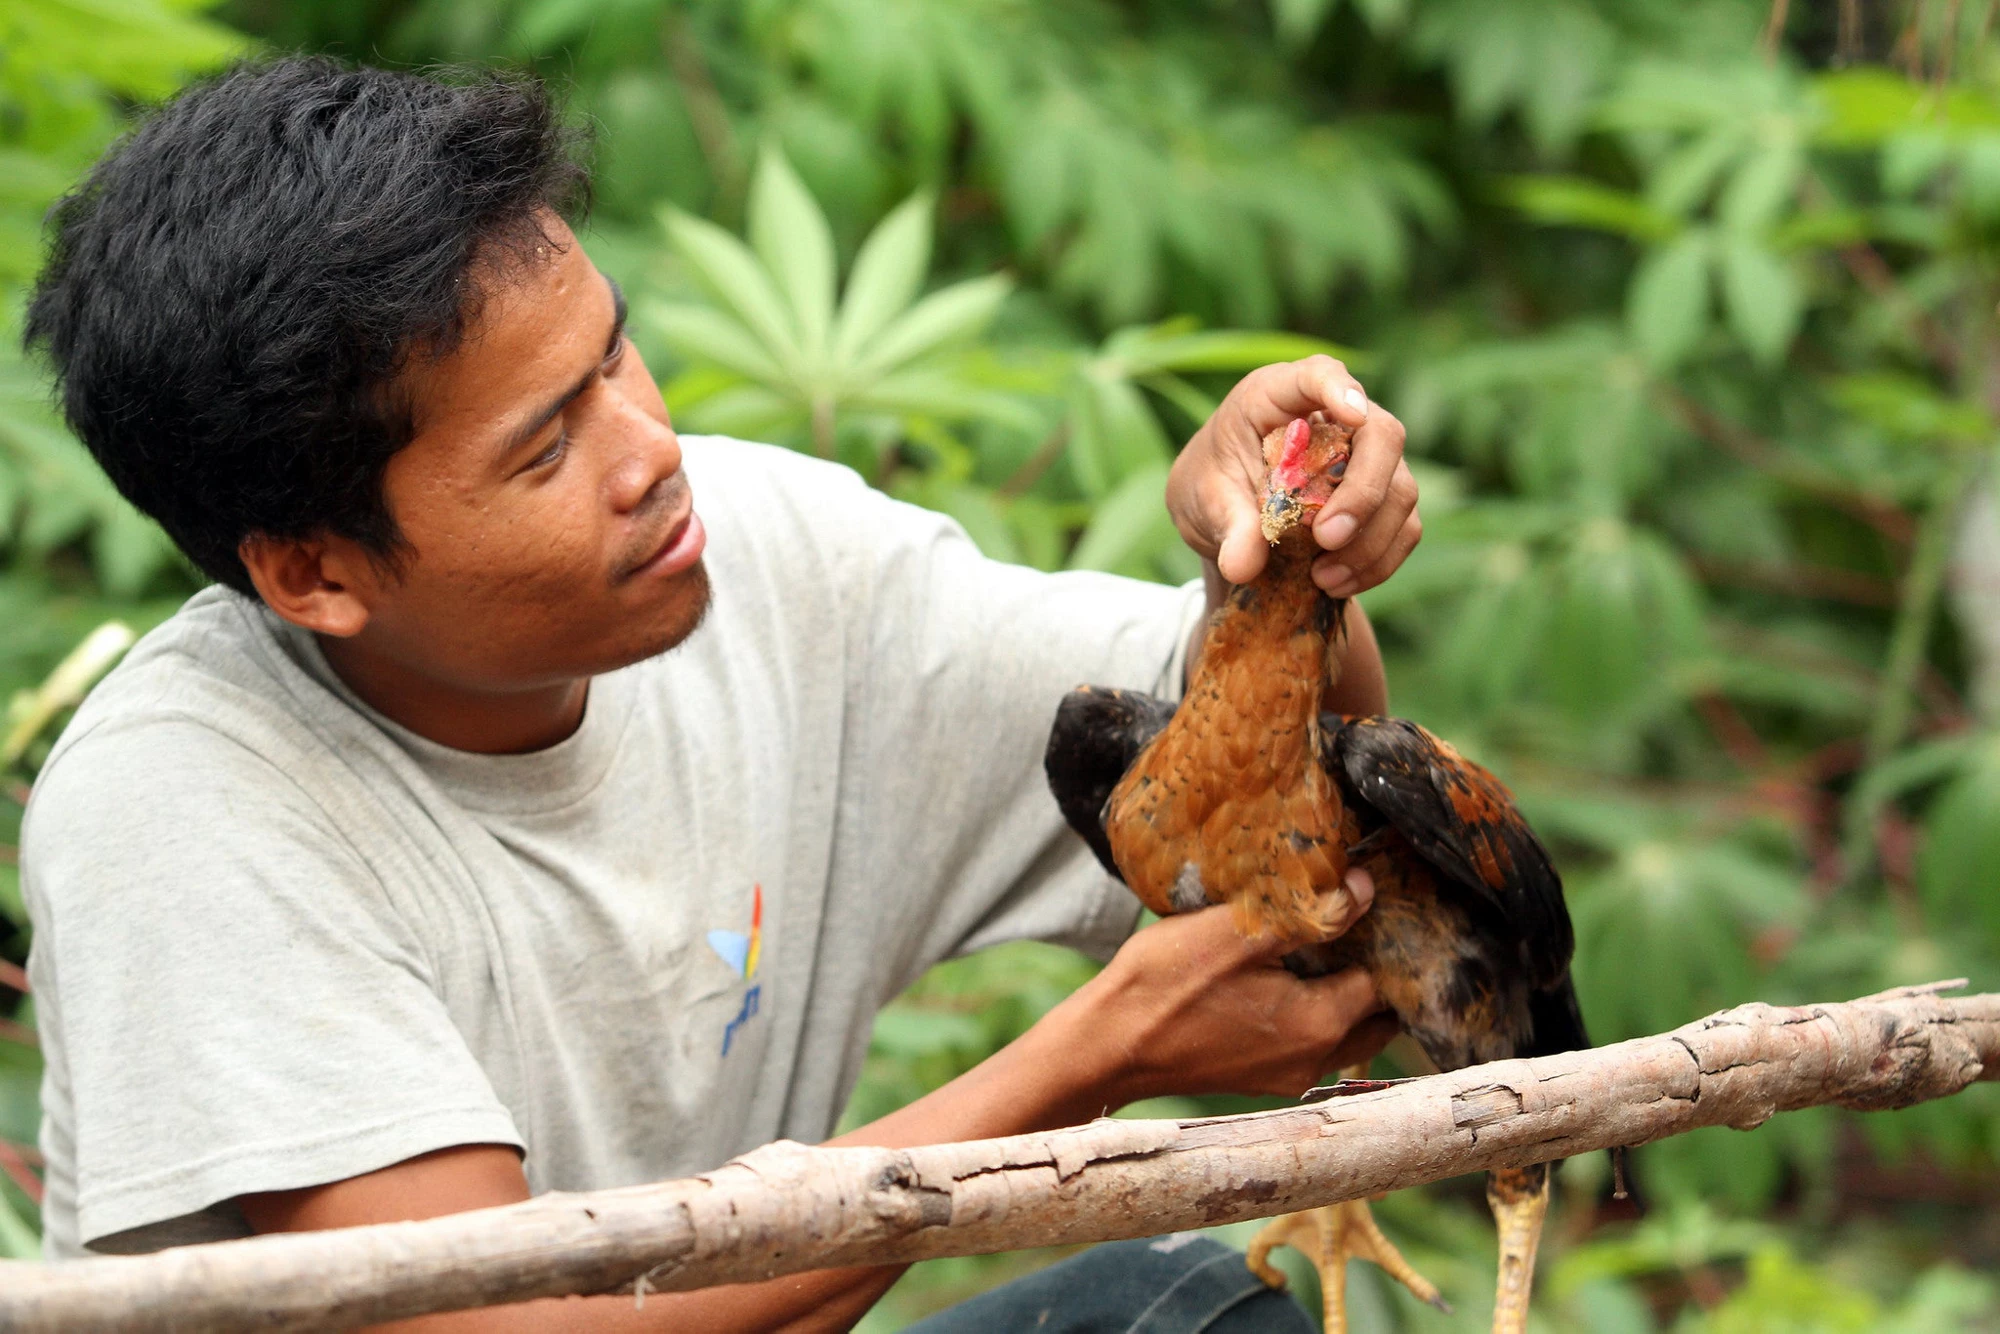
[1328,1237]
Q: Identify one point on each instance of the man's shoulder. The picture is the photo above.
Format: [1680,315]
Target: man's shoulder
[210,693]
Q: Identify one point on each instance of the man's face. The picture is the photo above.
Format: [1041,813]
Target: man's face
[553,532]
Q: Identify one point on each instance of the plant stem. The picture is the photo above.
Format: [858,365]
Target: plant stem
[1774,30]
[822,425]
[707,113]
[1039,462]
[1923,585]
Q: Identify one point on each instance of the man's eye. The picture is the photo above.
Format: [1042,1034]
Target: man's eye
[553,454]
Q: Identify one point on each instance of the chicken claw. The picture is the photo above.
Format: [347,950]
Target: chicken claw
[1329,1237]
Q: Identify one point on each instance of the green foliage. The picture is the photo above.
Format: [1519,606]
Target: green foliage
[774,358]
[1691,334]
[73,554]
[65,67]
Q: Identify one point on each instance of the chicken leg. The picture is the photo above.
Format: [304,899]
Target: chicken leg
[1519,1197]
[1329,1237]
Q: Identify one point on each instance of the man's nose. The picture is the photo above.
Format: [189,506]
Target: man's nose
[650,454]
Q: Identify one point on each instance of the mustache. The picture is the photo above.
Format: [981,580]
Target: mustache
[658,512]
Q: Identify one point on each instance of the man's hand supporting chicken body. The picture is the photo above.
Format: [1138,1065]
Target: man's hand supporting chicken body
[402,857]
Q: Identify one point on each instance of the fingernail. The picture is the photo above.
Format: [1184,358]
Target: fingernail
[1335,532]
[1355,399]
[1333,577]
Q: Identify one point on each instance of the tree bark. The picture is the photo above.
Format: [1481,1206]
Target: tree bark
[785,1207]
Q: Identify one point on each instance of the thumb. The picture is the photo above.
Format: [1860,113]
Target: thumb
[1243,552]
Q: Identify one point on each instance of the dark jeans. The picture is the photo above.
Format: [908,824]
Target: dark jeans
[1183,1284]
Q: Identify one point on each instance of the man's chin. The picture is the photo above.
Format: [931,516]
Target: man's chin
[682,616]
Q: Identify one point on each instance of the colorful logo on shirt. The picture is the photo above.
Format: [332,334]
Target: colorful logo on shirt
[739,949]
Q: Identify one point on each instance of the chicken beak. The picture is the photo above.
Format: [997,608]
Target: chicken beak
[1281,512]
[1287,507]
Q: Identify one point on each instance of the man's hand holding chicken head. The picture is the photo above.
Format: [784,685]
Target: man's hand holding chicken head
[1216,487]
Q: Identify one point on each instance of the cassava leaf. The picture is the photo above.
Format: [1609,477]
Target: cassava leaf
[1129,524]
[887,275]
[703,333]
[943,318]
[1763,298]
[732,275]
[1668,306]
[791,237]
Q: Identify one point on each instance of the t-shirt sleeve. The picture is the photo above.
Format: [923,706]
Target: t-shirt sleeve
[231,1004]
[966,659]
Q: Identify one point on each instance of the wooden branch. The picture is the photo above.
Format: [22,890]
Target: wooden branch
[786,1207]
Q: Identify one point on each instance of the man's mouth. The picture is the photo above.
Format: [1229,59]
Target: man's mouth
[680,549]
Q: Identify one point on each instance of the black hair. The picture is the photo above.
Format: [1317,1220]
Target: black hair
[233,290]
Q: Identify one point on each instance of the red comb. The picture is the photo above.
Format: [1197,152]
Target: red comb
[1291,461]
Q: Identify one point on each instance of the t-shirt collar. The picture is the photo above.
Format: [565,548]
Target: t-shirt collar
[539,780]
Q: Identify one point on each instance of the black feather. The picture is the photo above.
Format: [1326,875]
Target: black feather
[1398,769]
[1098,733]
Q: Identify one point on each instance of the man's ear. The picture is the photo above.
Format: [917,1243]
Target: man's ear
[321,584]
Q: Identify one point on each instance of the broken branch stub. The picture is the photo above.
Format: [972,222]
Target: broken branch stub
[786,1207]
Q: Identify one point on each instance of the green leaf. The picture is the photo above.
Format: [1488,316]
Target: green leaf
[730,272]
[18,1238]
[1298,20]
[1113,431]
[1961,849]
[547,24]
[1623,610]
[1911,409]
[906,1031]
[1683,181]
[1764,301]
[939,393]
[750,412]
[1575,201]
[1130,523]
[888,274]
[790,234]
[1864,106]
[1220,350]
[1668,307]
[703,333]
[953,315]
[1916,766]
[1979,176]
[126,549]
[1760,188]
[1911,161]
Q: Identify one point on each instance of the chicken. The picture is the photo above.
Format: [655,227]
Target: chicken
[1248,794]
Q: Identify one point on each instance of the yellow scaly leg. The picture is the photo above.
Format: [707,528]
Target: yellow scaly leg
[1519,1197]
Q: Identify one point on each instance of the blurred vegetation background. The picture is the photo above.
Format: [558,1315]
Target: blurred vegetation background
[1689,306]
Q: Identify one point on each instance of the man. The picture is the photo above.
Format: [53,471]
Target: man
[408,870]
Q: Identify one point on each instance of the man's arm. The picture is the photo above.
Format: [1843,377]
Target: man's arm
[1187,1006]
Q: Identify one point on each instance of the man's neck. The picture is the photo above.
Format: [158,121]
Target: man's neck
[487,724]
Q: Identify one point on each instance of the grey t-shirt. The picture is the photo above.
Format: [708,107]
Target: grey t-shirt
[280,940]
